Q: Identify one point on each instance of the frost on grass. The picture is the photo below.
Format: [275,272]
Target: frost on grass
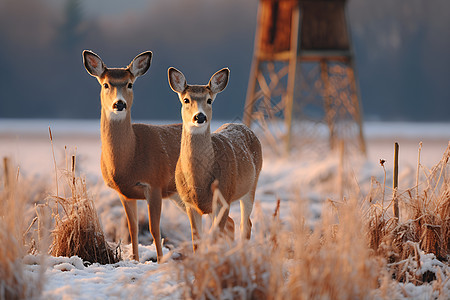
[293,259]
[421,232]
[79,232]
[15,283]
[355,251]
[281,261]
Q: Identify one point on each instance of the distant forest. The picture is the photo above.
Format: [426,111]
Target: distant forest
[402,55]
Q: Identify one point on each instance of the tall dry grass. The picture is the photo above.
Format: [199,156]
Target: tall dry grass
[331,260]
[286,260]
[424,224]
[15,283]
[77,229]
[356,251]
[220,269]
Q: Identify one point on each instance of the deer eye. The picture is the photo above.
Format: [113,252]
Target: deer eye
[106,86]
[209,101]
[186,100]
[130,85]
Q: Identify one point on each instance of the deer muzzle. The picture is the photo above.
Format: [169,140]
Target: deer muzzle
[200,118]
[119,105]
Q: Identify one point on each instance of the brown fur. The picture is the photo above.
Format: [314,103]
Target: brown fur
[235,163]
[127,147]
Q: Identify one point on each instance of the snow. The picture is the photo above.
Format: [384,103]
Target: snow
[69,278]
[307,177]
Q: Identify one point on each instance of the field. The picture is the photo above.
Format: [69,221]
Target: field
[322,223]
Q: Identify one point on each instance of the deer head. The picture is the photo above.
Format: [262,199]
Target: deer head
[197,100]
[117,83]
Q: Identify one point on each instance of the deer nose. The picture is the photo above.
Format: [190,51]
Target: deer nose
[200,118]
[120,105]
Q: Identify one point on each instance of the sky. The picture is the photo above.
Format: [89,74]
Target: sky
[107,8]
[401,51]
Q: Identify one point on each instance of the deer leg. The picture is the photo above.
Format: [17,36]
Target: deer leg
[246,209]
[225,223]
[130,206]
[196,225]
[154,217]
[229,228]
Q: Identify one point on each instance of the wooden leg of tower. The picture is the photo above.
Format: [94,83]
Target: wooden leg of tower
[250,99]
[355,98]
[289,97]
[329,113]
[289,103]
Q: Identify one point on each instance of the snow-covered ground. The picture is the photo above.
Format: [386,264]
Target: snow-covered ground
[312,177]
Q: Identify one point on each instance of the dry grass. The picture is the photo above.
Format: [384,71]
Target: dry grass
[329,261]
[356,251]
[424,227]
[220,268]
[78,231]
[14,282]
[285,261]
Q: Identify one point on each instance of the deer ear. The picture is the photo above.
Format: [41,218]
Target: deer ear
[93,63]
[219,80]
[140,64]
[177,81]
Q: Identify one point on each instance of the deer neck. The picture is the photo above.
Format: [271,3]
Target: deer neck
[197,156]
[118,141]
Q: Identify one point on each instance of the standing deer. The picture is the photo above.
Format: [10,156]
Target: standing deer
[137,160]
[230,157]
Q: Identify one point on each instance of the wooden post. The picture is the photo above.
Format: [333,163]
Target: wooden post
[289,100]
[73,170]
[329,113]
[355,98]
[6,172]
[250,99]
[418,170]
[395,183]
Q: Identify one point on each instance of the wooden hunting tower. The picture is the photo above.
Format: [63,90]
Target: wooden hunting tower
[299,41]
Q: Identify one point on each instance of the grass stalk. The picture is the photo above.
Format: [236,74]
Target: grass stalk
[78,231]
[395,183]
[15,283]
[418,170]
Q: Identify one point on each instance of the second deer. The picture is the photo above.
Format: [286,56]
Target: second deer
[231,156]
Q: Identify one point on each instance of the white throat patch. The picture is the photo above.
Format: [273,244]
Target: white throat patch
[197,128]
[115,115]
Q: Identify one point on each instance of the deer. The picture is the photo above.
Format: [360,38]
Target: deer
[137,160]
[229,159]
